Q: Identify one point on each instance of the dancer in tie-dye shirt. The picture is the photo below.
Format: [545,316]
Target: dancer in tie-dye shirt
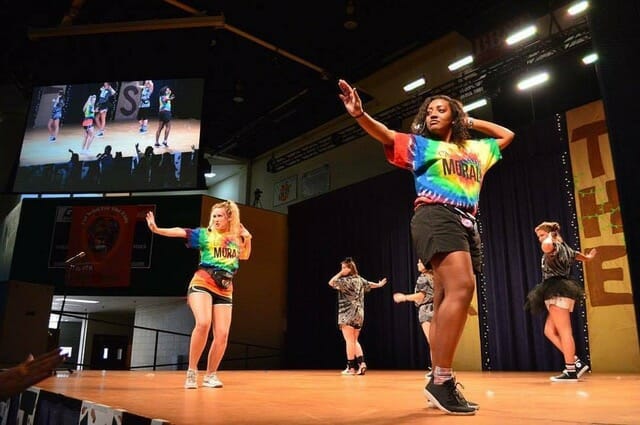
[222,244]
[144,106]
[102,107]
[448,168]
[56,115]
[164,115]
[351,289]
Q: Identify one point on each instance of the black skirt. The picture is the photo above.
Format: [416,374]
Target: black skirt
[553,287]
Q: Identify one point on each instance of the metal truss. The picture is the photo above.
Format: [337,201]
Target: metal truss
[471,84]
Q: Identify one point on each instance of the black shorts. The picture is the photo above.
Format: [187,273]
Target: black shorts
[102,107]
[437,229]
[164,116]
[215,298]
[143,113]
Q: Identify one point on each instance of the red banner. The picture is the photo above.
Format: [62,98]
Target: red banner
[105,235]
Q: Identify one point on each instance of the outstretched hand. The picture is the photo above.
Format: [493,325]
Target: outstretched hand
[592,253]
[151,221]
[33,370]
[399,297]
[350,98]
[382,282]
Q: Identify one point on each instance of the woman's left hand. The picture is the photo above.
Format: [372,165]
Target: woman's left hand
[244,233]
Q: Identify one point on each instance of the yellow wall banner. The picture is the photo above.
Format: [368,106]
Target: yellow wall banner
[468,356]
[613,337]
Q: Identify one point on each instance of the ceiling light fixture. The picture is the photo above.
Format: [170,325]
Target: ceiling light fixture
[578,8]
[74,300]
[522,34]
[533,81]
[350,22]
[238,92]
[460,63]
[475,105]
[590,58]
[210,174]
[415,84]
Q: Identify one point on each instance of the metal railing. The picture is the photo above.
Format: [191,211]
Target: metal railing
[247,347]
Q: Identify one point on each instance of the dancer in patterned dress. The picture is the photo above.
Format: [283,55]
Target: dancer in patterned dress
[351,289]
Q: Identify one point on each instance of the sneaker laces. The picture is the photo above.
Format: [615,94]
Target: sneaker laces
[453,395]
[460,396]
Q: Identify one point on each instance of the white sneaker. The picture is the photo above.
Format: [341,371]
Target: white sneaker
[192,379]
[348,371]
[429,374]
[212,381]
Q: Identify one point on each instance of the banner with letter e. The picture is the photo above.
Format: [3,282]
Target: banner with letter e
[613,337]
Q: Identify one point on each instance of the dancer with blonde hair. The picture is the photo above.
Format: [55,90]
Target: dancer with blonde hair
[222,244]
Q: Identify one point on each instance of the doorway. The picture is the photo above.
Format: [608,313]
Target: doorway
[109,352]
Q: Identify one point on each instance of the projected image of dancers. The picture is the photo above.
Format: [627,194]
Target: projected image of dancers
[69,123]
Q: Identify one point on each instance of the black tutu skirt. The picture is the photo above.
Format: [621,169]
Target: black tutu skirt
[551,288]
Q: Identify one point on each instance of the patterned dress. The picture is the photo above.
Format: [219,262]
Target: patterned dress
[424,284]
[556,278]
[351,290]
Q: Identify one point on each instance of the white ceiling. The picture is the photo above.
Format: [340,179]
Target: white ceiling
[72,303]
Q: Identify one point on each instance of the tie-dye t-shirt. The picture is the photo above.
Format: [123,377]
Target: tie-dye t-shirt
[444,172]
[220,251]
[165,103]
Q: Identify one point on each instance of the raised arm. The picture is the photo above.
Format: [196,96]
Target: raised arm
[334,279]
[173,232]
[380,283]
[417,297]
[245,236]
[33,370]
[353,105]
[503,135]
[586,257]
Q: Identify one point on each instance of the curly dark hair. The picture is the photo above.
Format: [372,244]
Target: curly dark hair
[459,132]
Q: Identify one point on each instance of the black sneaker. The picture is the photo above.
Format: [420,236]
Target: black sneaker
[447,398]
[566,376]
[469,403]
[581,368]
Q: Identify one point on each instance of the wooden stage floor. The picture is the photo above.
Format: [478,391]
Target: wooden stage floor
[379,397]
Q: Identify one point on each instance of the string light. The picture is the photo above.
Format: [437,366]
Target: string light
[483,310]
[575,234]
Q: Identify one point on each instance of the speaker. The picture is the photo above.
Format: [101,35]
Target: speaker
[24,320]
